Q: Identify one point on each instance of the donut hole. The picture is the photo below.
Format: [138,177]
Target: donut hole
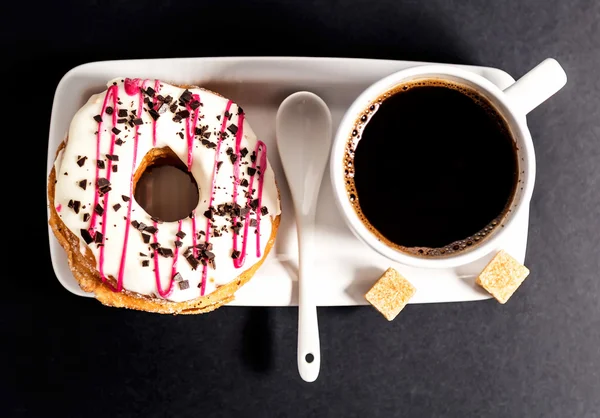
[163,186]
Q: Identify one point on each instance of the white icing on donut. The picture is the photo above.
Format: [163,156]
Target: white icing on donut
[118,245]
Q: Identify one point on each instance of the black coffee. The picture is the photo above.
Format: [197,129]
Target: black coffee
[431,168]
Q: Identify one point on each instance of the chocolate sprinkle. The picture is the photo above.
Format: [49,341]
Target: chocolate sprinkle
[192,261]
[151,229]
[219,163]
[109,110]
[233,158]
[98,237]
[138,121]
[209,213]
[253,222]
[86,217]
[146,238]
[183,114]
[232,128]
[184,285]
[117,206]
[112,157]
[81,161]
[254,204]
[168,99]
[178,244]
[177,277]
[229,151]
[244,152]
[251,171]
[99,209]
[116,131]
[186,96]
[85,234]
[125,198]
[244,183]
[150,91]
[165,252]
[76,206]
[173,108]
[100,164]
[121,120]
[195,104]
[155,115]
[264,211]
[115,168]
[135,224]
[145,263]
[83,184]
[98,118]
[180,234]
[155,245]
[119,141]
[235,254]
[253,156]
[180,134]
[157,220]
[103,185]
[122,113]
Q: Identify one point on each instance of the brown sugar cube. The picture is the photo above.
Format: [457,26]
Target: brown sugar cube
[390,294]
[502,276]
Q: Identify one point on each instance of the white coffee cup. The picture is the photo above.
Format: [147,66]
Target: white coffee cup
[513,104]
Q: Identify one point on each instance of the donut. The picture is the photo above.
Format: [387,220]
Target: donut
[126,256]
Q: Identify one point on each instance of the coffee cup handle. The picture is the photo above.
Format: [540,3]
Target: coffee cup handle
[535,87]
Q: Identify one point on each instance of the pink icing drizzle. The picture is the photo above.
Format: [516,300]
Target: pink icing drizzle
[261,182]
[58,207]
[161,292]
[238,262]
[260,146]
[165,293]
[190,130]
[156,89]
[111,93]
[212,190]
[131,88]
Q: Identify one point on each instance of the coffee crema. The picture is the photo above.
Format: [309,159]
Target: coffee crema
[431,168]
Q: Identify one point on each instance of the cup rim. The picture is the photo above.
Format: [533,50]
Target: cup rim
[516,122]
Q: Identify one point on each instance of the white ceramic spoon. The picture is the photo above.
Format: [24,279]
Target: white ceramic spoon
[303,129]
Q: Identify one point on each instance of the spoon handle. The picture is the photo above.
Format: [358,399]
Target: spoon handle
[309,352]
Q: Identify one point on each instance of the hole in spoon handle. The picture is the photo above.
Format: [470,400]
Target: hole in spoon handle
[309,356]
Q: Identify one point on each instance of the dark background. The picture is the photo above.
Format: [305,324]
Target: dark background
[536,356]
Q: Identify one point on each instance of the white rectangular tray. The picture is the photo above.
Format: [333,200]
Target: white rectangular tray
[346,268]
